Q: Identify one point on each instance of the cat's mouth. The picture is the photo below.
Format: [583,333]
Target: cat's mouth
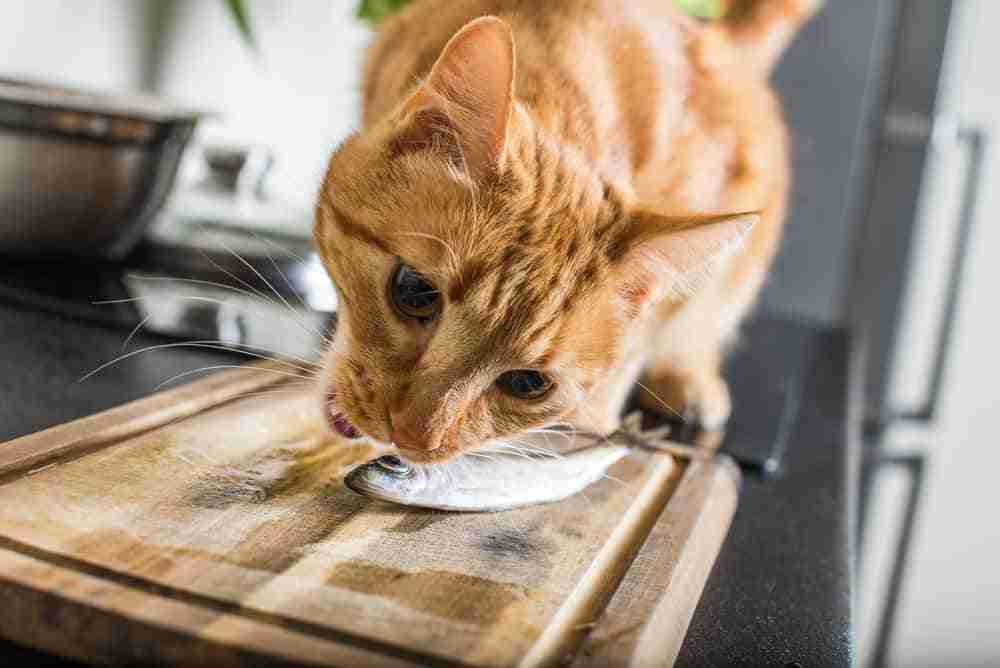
[338,422]
[341,425]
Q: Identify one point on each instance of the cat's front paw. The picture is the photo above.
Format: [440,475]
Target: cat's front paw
[694,399]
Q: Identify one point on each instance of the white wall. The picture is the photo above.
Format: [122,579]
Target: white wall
[299,96]
[95,43]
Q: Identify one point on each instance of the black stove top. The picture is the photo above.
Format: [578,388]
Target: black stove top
[206,284]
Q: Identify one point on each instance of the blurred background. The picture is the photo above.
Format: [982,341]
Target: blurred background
[891,105]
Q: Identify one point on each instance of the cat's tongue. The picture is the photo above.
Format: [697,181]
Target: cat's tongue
[343,427]
[338,422]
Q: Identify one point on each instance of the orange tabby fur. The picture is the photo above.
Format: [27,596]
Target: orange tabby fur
[566,174]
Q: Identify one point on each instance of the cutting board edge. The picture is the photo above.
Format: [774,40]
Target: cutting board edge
[639,629]
[34,451]
[159,628]
[610,567]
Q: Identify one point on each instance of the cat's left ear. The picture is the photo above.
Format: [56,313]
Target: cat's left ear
[464,105]
[673,257]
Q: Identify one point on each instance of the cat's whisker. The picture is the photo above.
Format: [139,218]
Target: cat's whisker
[307,365]
[274,263]
[664,403]
[135,330]
[558,428]
[547,453]
[132,300]
[510,448]
[306,368]
[200,298]
[545,433]
[266,282]
[298,296]
[253,290]
[176,279]
[214,367]
[528,450]
[562,427]
[535,447]
[194,344]
[283,391]
[480,455]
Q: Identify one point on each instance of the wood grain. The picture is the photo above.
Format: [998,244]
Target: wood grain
[216,538]
[90,616]
[35,450]
[646,621]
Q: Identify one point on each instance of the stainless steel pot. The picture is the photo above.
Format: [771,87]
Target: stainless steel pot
[83,174]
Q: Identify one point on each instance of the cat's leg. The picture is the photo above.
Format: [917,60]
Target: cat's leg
[683,372]
[690,393]
[683,377]
[688,343]
[601,410]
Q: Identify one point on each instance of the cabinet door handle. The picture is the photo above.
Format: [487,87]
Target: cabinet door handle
[974,140]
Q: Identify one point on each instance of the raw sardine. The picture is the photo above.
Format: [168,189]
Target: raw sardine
[470,483]
[501,481]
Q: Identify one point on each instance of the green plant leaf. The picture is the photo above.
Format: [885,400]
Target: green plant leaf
[238,12]
[702,9]
[374,11]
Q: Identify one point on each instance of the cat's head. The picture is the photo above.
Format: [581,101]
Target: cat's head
[489,278]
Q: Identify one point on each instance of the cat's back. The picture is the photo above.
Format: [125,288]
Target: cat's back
[566,48]
[633,85]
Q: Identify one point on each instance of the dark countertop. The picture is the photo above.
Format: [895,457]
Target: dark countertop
[780,593]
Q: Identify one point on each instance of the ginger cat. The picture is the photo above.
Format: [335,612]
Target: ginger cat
[546,200]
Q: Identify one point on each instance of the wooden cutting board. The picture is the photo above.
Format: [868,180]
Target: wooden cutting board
[182,528]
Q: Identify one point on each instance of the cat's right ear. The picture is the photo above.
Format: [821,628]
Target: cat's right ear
[463,108]
[672,257]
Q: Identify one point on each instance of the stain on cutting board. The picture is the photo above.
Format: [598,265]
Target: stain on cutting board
[463,598]
[507,543]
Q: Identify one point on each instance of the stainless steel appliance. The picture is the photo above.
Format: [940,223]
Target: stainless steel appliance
[84,174]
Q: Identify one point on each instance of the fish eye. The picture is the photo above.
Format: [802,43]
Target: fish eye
[412,295]
[525,384]
[395,466]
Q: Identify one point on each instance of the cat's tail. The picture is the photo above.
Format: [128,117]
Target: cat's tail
[761,30]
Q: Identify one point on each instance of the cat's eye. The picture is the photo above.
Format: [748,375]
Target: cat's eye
[412,295]
[525,384]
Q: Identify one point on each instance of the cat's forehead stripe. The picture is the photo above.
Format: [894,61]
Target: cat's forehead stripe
[549,264]
[349,228]
[470,276]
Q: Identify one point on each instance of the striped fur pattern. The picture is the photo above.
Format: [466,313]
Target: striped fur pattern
[596,187]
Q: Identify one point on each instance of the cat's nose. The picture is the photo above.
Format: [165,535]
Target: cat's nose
[405,436]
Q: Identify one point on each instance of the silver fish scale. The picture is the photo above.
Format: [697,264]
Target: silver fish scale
[486,485]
